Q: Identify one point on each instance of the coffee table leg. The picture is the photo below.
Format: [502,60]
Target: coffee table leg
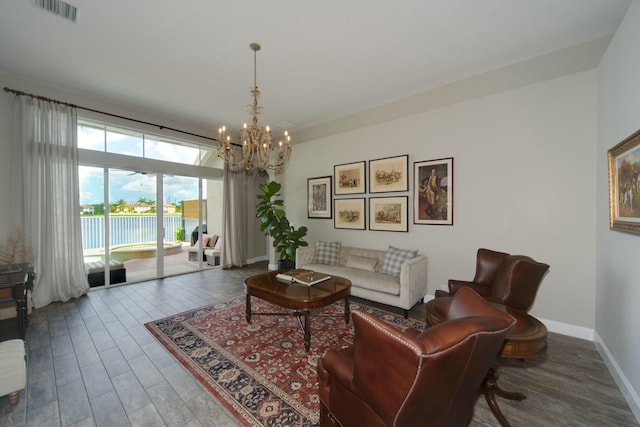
[347,310]
[248,308]
[307,331]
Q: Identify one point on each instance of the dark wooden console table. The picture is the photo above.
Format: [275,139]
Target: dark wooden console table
[14,285]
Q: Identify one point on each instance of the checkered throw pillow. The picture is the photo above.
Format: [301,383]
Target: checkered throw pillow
[394,258]
[327,253]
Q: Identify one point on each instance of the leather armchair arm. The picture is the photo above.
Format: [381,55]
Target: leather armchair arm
[455,285]
[337,364]
[385,365]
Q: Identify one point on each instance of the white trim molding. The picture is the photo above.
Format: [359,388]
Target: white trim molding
[618,376]
[569,330]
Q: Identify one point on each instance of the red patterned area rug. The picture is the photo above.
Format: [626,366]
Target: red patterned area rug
[259,371]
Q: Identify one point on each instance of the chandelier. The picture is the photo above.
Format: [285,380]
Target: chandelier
[257,148]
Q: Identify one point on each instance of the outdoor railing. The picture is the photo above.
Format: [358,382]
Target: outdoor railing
[127,229]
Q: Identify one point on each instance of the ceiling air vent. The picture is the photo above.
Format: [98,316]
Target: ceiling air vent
[59,7]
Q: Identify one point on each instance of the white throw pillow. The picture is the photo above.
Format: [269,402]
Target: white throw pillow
[327,253]
[362,262]
[394,259]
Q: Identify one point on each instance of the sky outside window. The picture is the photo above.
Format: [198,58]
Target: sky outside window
[130,186]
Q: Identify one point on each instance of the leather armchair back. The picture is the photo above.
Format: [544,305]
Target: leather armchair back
[487,264]
[511,280]
[413,378]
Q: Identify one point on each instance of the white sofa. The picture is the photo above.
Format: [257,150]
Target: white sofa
[402,291]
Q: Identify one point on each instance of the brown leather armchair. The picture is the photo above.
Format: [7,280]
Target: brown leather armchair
[510,280]
[410,377]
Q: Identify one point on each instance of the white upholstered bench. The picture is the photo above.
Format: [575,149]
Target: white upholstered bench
[95,272]
[13,370]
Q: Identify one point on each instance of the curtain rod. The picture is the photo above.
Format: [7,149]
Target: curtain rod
[55,101]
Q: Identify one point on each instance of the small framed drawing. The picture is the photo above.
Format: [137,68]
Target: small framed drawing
[319,197]
[388,213]
[433,192]
[349,178]
[624,185]
[349,213]
[389,174]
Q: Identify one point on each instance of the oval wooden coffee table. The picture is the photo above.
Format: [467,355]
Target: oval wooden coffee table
[300,299]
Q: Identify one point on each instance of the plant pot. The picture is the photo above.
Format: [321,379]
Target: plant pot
[285,264]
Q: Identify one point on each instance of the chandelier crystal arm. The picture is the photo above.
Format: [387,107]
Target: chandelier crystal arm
[258,151]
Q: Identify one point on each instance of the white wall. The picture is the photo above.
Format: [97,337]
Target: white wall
[618,254]
[523,183]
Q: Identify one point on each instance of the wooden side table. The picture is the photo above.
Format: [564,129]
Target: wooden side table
[527,339]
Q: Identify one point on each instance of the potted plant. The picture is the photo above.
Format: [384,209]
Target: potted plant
[274,223]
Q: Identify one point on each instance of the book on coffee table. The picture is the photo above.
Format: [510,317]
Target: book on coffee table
[303,277]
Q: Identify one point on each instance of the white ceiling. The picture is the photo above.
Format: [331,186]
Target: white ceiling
[320,61]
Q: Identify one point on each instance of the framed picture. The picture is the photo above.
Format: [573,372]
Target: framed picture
[319,197]
[388,213]
[349,178]
[624,185]
[389,174]
[349,213]
[433,192]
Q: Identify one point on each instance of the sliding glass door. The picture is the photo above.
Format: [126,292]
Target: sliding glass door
[92,220]
[148,229]
[186,210]
[143,199]
[133,224]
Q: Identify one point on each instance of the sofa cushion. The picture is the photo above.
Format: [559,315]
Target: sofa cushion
[208,241]
[205,241]
[369,253]
[327,253]
[395,258]
[362,263]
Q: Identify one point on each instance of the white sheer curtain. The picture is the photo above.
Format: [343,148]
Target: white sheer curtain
[45,173]
[234,218]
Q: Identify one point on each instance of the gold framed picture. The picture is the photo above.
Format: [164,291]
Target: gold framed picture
[624,185]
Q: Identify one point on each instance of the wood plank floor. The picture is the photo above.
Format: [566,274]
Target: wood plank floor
[91,362]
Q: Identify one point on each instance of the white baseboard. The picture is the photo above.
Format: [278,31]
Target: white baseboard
[557,327]
[618,376]
[569,330]
[257,259]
